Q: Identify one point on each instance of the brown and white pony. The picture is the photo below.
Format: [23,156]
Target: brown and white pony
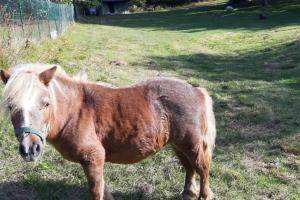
[92,124]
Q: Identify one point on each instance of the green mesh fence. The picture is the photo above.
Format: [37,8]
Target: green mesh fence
[25,21]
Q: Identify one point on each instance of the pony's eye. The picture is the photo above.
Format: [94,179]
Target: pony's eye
[47,104]
[9,107]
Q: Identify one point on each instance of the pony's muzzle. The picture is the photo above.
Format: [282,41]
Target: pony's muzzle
[30,149]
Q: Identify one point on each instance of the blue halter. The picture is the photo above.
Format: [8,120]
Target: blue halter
[22,130]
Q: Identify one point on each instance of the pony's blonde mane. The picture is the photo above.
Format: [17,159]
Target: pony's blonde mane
[21,86]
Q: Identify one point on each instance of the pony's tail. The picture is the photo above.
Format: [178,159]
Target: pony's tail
[210,123]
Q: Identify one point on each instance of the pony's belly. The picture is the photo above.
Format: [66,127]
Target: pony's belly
[131,153]
[132,146]
[125,158]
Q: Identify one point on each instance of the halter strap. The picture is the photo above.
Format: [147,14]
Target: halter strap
[21,130]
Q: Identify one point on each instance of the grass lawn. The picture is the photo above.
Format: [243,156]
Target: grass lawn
[251,68]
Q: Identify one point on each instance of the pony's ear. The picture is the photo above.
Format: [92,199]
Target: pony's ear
[5,75]
[47,75]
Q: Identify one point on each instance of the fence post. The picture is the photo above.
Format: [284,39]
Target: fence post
[21,18]
[48,12]
[60,21]
[38,21]
[55,19]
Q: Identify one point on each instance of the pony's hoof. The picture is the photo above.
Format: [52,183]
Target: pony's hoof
[210,195]
[189,195]
[107,194]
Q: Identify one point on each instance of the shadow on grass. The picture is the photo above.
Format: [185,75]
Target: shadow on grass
[16,191]
[205,18]
[270,64]
[40,190]
[140,195]
[60,190]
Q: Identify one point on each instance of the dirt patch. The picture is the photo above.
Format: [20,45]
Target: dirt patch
[254,162]
[292,145]
[118,63]
[257,131]
[152,65]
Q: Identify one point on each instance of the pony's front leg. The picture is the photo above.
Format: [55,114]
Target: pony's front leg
[93,164]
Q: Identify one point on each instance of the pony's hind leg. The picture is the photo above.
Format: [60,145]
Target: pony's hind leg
[202,164]
[191,190]
[196,157]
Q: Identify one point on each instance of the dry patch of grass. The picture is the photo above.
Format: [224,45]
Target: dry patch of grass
[291,145]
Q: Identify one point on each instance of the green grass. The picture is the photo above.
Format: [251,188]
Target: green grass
[251,68]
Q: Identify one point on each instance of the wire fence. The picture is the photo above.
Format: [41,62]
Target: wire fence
[26,21]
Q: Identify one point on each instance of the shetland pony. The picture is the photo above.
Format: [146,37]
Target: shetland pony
[92,124]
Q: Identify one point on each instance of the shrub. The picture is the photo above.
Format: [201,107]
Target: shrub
[155,3]
[138,3]
[169,2]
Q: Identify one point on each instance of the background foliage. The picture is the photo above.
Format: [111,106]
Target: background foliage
[83,3]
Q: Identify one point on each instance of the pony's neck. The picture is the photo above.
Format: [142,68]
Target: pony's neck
[68,97]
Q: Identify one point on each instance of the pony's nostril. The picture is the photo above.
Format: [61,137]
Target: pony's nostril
[36,149]
[24,150]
